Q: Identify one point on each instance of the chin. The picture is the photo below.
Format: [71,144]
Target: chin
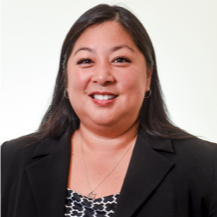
[104,123]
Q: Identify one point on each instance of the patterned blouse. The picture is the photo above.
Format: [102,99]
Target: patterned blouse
[79,205]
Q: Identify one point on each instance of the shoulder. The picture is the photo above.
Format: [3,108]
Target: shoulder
[196,160]
[17,152]
[195,148]
[193,158]
[19,145]
[20,152]
[181,148]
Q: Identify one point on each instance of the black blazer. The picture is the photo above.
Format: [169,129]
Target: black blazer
[165,178]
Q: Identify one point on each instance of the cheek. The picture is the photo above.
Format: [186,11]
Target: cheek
[76,86]
[77,81]
[134,81]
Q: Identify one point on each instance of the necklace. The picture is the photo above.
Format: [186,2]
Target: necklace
[92,194]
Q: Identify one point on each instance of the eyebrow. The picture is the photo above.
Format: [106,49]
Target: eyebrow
[84,48]
[120,47]
[111,50]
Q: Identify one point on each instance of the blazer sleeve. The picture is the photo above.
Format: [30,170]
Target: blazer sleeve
[4,201]
[213,201]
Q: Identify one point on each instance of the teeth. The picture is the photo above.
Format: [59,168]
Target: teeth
[103,97]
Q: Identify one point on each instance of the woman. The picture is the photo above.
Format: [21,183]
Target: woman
[105,146]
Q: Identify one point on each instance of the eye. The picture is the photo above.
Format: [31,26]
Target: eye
[84,61]
[122,60]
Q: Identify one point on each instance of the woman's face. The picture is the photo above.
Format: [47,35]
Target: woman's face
[107,76]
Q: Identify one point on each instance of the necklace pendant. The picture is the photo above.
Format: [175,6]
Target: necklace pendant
[91,195]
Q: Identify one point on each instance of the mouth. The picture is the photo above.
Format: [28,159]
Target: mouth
[103,96]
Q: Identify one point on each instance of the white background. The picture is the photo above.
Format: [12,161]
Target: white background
[184,34]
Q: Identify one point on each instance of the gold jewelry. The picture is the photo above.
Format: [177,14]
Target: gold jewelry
[92,194]
[148,95]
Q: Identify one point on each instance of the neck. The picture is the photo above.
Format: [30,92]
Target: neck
[108,144]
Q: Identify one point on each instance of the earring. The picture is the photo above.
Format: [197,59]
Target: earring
[65,94]
[148,95]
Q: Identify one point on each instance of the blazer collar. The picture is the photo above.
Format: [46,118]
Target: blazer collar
[48,175]
[146,171]
[48,145]
[159,144]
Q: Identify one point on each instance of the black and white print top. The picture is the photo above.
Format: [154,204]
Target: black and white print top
[79,205]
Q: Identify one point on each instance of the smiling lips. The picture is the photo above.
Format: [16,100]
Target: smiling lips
[103,98]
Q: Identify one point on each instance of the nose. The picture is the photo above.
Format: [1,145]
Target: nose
[103,74]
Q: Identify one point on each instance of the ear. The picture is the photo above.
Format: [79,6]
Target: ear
[148,79]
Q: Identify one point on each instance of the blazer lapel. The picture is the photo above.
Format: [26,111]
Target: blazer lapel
[48,175]
[146,171]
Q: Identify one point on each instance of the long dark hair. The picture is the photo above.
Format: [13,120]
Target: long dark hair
[153,114]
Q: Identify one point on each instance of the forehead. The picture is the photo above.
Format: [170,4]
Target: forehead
[106,34]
